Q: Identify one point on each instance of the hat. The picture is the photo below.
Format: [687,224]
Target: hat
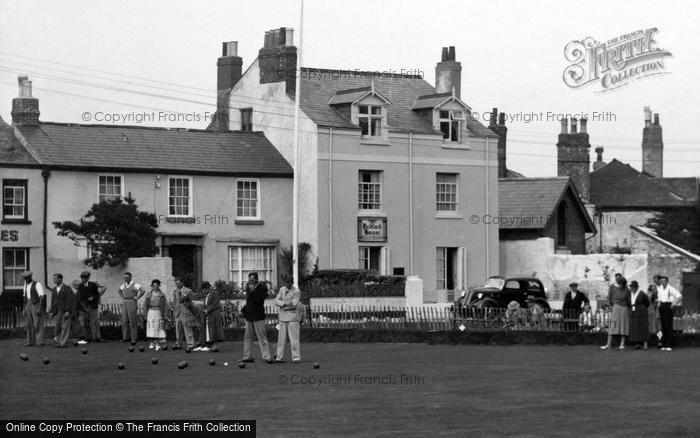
[634,283]
[206,285]
[26,274]
[573,284]
[85,274]
[513,305]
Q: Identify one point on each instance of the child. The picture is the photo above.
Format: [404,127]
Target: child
[585,319]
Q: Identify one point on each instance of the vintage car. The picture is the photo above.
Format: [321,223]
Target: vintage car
[500,290]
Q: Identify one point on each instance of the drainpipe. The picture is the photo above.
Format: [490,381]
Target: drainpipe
[45,174]
[410,202]
[486,166]
[330,198]
[600,231]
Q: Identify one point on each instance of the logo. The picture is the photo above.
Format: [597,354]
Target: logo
[615,63]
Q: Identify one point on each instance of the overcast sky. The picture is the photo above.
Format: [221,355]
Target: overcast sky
[135,57]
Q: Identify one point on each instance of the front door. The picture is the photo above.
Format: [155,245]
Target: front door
[184,263]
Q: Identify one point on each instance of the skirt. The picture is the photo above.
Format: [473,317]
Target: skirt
[639,327]
[155,325]
[619,320]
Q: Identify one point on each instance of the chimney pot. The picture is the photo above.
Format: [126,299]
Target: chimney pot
[451,54]
[283,36]
[656,115]
[574,127]
[599,151]
[564,126]
[230,48]
[584,122]
[445,54]
[502,119]
[289,37]
[25,86]
[493,118]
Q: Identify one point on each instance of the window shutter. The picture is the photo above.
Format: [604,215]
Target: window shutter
[461,268]
[384,260]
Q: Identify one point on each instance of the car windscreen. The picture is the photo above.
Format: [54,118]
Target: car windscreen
[494,282]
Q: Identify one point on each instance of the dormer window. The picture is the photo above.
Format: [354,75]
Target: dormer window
[370,118]
[451,125]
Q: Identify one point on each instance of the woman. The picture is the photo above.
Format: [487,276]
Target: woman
[154,308]
[619,298]
[639,317]
[212,330]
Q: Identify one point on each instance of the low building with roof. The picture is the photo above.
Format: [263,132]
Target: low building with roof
[396,174]
[222,199]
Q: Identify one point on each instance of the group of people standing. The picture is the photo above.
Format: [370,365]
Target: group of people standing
[634,312]
[73,309]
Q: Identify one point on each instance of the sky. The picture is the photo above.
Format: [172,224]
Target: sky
[135,57]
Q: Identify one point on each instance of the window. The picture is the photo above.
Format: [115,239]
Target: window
[370,189]
[561,224]
[14,262]
[247,119]
[369,257]
[446,192]
[180,196]
[370,118]
[14,200]
[246,259]
[451,125]
[109,188]
[247,199]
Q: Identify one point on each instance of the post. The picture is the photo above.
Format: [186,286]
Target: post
[295,195]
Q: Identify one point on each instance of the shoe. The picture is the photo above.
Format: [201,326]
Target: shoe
[60,346]
[125,340]
[197,349]
[175,347]
[270,361]
[205,349]
[296,361]
[248,360]
[152,346]
[621,347]
[99,340]
[278,360]
[28,345]
[605,347]
[81,342]
[133,343]
[637,347]
[667,349]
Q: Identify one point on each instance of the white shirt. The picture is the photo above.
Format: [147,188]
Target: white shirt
[668,294]
[634,296]
[136,286]
[28,290]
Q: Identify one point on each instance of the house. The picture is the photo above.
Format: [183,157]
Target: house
[222,199]
[392,167]
[623,196]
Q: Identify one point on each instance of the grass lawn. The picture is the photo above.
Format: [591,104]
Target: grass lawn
[454,390]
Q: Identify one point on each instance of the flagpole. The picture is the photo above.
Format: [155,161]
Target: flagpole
[297,161]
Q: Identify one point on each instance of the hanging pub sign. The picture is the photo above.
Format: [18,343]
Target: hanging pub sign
[371,229]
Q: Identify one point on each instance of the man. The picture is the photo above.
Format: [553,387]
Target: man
[254,313]
[182,315]
[62,309]
[574,300]
[33,312]
[51,305]
[668,297]
[130,293]
[289,318]
[90,293]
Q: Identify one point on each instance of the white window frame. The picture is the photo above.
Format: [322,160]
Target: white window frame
[112,175]
[269,275]
[361,185]
[17,268]
[25,205]
[451,118]
[446,194]
[190,200]
[372,117]
[258,199]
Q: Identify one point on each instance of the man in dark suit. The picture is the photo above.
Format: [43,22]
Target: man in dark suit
[90,293]
[183,316]
[62,310]
[573,306]
[254,314]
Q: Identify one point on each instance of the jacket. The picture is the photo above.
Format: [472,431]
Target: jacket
[254,309]
[288,303]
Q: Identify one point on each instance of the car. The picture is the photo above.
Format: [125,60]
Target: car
[500,290]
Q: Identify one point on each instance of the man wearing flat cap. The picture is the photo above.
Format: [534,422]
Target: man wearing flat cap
[89,293]
[573,306]
[33,293]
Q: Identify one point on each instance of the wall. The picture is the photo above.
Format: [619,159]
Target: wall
[575,226]
[615,230]
[143,269]
[662,260]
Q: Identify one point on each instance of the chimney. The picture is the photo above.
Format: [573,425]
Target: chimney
[497,124]
[573,160]
[583,123]
[229,71]
[278,58]
[25,108]
[599,158]
[564,126]
[652,145]
[448,73]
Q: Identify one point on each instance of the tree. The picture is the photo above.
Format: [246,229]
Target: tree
[115,231]
[304,251]
[679,226]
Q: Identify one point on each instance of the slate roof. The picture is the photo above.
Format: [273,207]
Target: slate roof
[619,185]
[528,203]
[130,148]
[11,150]
[318,86]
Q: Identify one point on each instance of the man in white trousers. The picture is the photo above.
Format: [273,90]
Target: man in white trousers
[287,301]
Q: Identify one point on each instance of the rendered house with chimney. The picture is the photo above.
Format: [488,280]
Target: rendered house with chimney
[222,199]
[624,196]
[391,169]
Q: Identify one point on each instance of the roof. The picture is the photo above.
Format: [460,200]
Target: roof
[130,148]
[619,185]
[513,174]
[11,150]
[529,203]
[650,233]
[319,86]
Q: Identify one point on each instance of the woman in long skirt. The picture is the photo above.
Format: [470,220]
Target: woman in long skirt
[639,317]
[155,307]
[619,298]
[212,325]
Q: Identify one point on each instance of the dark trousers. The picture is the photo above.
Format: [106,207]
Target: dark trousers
[34,319]
[91,323]
[129,321]
[666,316]
[63,328]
